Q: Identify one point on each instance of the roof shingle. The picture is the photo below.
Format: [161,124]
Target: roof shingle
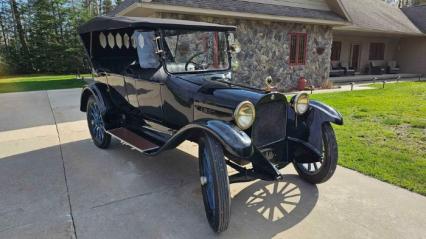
[245,7]
[376,15]
[417,14]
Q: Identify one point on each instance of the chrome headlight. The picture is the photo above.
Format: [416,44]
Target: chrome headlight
[301,103]
[244,115]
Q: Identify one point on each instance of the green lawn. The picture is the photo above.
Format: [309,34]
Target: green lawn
[384,133]
[38,82]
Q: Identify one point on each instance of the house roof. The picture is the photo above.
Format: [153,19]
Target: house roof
[377,16]
[242,6]
[122,6]
[417,14]
[113,23]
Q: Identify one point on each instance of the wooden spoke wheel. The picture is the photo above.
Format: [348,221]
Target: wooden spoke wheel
[214,183]
[96,125]
[319,172]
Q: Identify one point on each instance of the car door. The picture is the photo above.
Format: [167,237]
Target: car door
[148,88]
[131,76]
[110,59]
[117,82]
[150,77]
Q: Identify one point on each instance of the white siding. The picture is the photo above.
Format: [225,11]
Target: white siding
[309,4]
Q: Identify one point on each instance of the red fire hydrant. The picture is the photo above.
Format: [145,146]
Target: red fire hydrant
[301,83]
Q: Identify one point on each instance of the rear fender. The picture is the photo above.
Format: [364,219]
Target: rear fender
[100,92]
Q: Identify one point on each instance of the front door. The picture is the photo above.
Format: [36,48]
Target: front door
[355,54]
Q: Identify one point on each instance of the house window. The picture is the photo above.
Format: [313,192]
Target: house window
[335,51]
[298,48]
[377,51]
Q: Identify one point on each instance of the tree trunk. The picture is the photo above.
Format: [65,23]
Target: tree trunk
[3,30]
[100,7]
[19,28]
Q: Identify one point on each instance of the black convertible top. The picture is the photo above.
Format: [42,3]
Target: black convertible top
[113,23]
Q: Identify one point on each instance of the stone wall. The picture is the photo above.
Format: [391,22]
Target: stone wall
[265,51]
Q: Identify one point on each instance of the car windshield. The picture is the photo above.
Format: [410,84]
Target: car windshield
[193,51]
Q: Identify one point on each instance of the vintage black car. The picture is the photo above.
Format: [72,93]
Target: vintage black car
[159,82]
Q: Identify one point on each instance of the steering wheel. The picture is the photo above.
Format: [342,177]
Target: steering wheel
[203,65]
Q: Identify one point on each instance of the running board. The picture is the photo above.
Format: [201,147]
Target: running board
[133,140]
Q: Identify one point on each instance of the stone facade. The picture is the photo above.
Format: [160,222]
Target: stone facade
[265,51]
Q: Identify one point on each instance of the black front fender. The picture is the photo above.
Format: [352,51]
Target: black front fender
[305,132]
[326,113]
[233,139]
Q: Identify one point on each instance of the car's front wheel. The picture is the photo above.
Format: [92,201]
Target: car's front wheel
[96,125]
[320,172]
[214,183]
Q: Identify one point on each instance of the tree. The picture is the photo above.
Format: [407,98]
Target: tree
[40,36]
[403,3]
[3,30]
[419,2]
[21,34]
[106,7]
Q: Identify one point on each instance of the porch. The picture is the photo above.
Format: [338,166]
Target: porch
[361,52]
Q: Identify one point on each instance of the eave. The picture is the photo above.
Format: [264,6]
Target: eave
[367,31]
[161,8]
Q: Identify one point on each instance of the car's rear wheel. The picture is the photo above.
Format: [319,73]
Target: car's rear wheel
[96,125]
[320,172]
[214,183]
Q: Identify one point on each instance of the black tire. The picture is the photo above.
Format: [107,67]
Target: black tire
[96,125]
[328,165]
[214,183]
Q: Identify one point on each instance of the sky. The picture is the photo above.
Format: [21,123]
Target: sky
[393,2]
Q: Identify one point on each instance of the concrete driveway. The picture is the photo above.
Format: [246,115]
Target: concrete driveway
[54,183]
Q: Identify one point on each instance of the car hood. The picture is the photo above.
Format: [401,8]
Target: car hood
[219,93]
[232,97]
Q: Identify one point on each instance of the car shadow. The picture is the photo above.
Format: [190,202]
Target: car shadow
[260,209]
[264,209]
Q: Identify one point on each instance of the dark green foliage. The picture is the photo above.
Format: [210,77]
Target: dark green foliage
[48,41]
